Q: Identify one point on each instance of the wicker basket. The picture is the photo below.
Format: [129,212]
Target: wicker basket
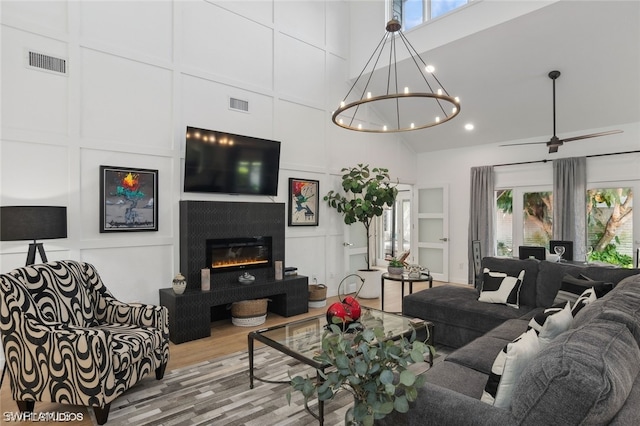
[249,313]
[317,295]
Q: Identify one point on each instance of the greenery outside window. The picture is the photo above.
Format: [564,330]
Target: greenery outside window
[610,225]
[536,225]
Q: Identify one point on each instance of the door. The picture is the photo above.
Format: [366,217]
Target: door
[432,223]
[355,252]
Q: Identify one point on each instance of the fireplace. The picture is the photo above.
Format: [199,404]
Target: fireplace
[232,254]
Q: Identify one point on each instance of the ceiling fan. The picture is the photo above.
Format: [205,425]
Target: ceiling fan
[554,143]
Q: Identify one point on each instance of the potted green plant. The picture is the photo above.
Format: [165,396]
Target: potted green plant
[374,369]
[395,266]
[366,193]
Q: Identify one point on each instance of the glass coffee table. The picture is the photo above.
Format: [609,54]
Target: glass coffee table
[302,340]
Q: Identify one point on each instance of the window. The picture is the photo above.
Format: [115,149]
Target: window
[504,222]
[414,12]
[395,227]
[532,228]
[609,222]
[537,210]
[610,225]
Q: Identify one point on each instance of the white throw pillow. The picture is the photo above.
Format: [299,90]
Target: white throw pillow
[507,368]
[498,287]
[551,323]
[585,298]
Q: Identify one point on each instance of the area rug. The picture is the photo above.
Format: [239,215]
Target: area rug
[217,392]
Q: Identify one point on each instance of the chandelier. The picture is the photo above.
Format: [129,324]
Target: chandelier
[411,110]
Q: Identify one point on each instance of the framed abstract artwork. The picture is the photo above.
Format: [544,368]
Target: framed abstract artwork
[128,199]
[303,202]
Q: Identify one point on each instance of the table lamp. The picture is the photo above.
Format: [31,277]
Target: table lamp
[20,223]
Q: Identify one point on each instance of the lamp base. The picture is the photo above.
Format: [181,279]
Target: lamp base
[31,255]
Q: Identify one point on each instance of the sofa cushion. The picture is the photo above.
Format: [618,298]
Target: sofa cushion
[590,369]
[551,323]
[513,267]
[621,305]
[480,353]
[458,378]
[571,288]
[498,287]
[611,274]
[459,309]
[132,343]
[506,369]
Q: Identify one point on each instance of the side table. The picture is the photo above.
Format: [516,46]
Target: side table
[402,279]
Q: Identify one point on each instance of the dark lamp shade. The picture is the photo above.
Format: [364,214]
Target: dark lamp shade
[19,223]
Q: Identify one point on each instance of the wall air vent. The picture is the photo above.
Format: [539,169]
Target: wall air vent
[238,105]
[46,63]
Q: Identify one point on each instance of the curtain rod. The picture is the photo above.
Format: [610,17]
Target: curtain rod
[544,161]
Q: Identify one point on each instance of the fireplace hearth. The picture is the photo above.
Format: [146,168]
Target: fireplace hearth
[231,254]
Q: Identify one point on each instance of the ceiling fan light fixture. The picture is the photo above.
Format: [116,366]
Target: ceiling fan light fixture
[411,109]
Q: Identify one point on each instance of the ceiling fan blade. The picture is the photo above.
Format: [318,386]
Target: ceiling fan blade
[553,148]
[592,135]
[523,143]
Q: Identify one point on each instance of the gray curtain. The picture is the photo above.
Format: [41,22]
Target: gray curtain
[569,203]
[481,213]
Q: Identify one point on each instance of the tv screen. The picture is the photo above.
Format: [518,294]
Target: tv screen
[226,163]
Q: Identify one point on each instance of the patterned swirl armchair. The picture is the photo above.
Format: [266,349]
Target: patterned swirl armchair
[68,340]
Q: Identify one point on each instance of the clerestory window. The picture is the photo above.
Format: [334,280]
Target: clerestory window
[414,12]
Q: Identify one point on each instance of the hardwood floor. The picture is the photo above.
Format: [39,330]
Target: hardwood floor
[225,339]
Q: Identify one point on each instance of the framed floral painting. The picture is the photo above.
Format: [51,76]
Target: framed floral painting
[128,199]
[303,202]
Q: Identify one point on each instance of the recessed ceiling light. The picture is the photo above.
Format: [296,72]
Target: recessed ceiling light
[468,126]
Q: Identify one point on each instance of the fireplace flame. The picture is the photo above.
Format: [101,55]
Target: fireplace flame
[237,262]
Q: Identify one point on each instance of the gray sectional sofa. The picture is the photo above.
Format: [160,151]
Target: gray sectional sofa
[588,375]
[459,317]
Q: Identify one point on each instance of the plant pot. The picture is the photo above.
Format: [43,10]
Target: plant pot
[371,287]
[395,270]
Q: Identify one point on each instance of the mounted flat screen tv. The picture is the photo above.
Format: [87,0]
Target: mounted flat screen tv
[226,163]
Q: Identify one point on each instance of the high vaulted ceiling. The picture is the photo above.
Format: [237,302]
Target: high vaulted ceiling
[500,75]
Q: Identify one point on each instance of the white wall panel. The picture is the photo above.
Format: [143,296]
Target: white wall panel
[304,20]
[32,99]
[301,130]
[297,66]
[206,105]
[45,15]
[133,274]
[308,255]
[225,44]
[91,160]
[259,11]
[337,28]
[142,26]
[125,101]
[34,174]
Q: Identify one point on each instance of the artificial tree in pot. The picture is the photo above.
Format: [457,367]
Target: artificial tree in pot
[366,193]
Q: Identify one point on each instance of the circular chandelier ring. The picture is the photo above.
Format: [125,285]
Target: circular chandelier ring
[348,106]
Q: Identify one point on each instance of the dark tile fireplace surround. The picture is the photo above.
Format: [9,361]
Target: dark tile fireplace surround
[212,220]
[238,223]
